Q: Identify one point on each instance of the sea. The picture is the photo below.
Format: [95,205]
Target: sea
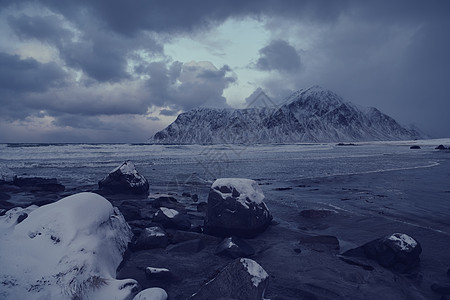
[165,165]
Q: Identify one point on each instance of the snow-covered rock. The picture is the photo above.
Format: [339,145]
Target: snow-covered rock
[151,294]
[241,279]
[150,237]
[69,249]
[172,218]
[234,247]
[124,179]
[236,207]
[308,115]
[398,251]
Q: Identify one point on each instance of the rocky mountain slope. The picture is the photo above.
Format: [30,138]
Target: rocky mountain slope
[308,115]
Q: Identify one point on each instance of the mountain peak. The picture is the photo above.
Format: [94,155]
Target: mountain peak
[313,114]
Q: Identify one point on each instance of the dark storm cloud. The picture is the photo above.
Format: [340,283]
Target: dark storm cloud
[185,86]
[389,54]
[46,28]
[279,56]
[28,75]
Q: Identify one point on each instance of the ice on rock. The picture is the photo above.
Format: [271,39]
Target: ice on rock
[248,189]
[255,270]
[69,249]
[404,241]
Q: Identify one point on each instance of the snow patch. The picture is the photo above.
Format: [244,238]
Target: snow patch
[152,294]
[404,241]
[255,270]
[155,231]
[170,213]
[156,270]
[248,189]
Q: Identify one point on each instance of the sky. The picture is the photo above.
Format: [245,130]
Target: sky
[119,71]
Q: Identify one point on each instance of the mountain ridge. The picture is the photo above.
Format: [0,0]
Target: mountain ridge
[307,115]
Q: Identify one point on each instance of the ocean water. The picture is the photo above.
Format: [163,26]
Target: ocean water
[167,165]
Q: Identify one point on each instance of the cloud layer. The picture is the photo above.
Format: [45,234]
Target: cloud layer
[97,69]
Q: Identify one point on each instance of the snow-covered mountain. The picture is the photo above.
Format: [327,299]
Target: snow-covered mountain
[308,115]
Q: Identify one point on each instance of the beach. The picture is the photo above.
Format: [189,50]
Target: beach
[354,204]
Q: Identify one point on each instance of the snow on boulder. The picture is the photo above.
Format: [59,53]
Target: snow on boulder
[172,218]
[397,251]
[241,279]
[151,237]
[236,207]
[152,294]
[69,249]
[124,179]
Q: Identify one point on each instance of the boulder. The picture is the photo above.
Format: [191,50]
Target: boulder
[192,246]
[150,238]
[440,147]
[236,208]
[130,212]
[234,247]
[397,251]
[241,279]
[415,147]
[172,218]
[151,294]
[125,180]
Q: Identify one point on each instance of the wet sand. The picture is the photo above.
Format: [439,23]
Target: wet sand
[363,207]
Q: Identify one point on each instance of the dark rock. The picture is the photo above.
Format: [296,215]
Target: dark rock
[185,194]
[241,279]
[130,212]
[160,274]
[181,236]
[192,246]
[440,147]
[346,144]
[355,262]
[316,213]
[22,217]
[194,197]
[415,147]
[125,180]
[234,247]
[236,208]
[328,241]
[38,184]
[397,251]
[150,238]
[171,218]
[442,289]
[202,207]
